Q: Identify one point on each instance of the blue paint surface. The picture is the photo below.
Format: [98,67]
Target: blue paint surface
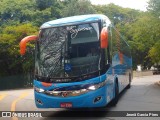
[72,20]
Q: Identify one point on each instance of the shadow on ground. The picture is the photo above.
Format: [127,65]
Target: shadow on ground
[84,113]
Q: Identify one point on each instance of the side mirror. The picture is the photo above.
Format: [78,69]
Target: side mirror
[24,42]
[104,38]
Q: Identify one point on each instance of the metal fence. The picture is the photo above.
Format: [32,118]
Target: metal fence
[16,81]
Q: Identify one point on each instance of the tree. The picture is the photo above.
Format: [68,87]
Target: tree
[78,7]
[19,19]
[127,22]
[16,10]
[154,53]
[34,11]
[154,7]
[10,59]
[118,14]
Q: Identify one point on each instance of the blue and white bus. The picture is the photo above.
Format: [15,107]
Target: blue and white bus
[80,61]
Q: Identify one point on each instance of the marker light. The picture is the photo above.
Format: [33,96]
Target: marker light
[46,84]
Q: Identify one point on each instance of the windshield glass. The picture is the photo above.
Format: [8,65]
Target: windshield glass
[68,52]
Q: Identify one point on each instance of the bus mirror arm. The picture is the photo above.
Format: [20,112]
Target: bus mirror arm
[24,41]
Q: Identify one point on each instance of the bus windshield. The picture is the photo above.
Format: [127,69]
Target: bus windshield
[68,53]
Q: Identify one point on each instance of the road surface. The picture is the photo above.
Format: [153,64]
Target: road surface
[144,95]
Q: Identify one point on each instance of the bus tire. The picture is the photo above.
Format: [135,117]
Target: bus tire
[116,98]
[129,85]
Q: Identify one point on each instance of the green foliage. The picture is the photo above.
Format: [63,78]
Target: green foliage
[118,14]
[16,10]
[154,10]
[142,36]
[154,7]
[21,18]
[154,53]
[35,11]
[78,7]
[138,28]
[10,59]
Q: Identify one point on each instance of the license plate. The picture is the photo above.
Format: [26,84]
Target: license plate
[66,105]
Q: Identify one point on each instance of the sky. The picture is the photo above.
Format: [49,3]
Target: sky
[134,4]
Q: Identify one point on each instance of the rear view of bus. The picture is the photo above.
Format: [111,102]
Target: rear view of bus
[75,64]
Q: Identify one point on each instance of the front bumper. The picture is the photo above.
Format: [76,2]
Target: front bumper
[81,101]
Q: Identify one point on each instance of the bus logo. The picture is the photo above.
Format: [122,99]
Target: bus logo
[64,94]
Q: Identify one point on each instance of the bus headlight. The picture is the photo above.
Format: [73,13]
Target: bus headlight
[92,87]
[96,86]
[40,90]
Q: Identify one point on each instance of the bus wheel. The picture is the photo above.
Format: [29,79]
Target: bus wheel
[129,85]
[115,100]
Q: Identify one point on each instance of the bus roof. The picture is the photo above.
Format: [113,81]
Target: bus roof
[73,20]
